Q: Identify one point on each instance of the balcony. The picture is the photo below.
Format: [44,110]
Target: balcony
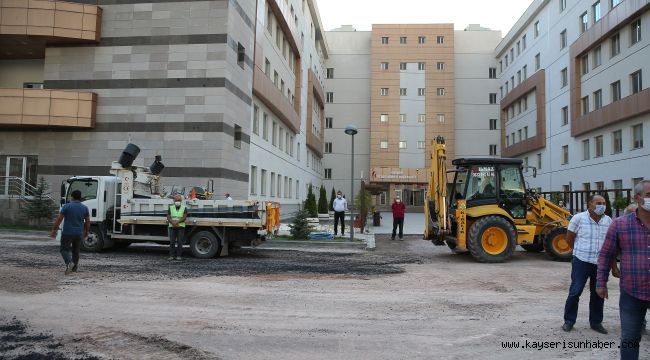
[28,26]
[315,91]
[272,97]
[35,108]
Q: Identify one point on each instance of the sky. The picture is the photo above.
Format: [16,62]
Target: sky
[494,14]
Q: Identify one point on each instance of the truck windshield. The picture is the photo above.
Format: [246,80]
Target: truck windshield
[88,189]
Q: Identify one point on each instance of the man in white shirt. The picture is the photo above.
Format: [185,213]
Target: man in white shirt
[586,234]
[339,205]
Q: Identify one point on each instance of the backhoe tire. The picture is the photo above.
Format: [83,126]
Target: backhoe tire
[94,242]
[556,246]
[205,245]
[492,239]
[534,248]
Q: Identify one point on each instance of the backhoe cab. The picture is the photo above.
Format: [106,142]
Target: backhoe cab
[488,210]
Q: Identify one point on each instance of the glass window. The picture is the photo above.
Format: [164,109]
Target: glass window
[635,31]
[597,59]
[595,9]
[482,184]
[88,189]
[637,136]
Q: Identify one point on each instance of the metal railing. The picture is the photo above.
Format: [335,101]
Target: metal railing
[13,187]
[576,201]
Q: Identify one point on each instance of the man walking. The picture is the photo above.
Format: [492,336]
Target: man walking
[75,228]
[398,218]
[586,234]
[630,234]
[339,205]
[176,217]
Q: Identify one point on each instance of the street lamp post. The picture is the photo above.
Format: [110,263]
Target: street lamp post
[351,130]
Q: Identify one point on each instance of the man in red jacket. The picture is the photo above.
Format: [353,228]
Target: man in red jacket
[398,217]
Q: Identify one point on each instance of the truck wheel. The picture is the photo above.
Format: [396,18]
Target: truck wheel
[205,245]
[556,245]
[491,239]
[535,248]
[94,242]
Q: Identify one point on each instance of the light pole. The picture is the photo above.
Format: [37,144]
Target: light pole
[351,130]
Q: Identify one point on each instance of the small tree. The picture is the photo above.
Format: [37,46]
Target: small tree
[332,197]
[310,202]
[300,228]
[322,201]
[40,206]
[364,205]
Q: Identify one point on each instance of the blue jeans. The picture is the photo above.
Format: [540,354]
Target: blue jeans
[580,272]
[632,312]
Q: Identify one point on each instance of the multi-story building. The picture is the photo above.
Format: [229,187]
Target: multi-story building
[223,90]
[402,86]
[573,102]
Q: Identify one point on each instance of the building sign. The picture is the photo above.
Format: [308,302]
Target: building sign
[395,175]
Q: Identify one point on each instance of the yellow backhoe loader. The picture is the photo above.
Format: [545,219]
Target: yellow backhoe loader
[488,211]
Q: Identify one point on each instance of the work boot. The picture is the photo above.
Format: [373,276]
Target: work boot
[599,328]
[392,238]
[401,239]
[567,327]
[68,269]
[75,268]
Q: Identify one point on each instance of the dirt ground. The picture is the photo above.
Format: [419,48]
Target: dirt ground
[405,300]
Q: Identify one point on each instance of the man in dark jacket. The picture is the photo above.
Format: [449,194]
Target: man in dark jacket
[398,218]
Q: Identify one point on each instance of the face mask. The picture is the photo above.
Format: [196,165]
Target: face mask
[177,203]
[600,209]
[646,204]
[338,196]
[398,201]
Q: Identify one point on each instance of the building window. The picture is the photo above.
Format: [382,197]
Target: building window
[636,81]
[598,99]
[565,115]
[383,118]
[329,122]
[269,22]
[330,73]
[420,144]
[328,173]
[539,161]
[584,22]
[421,92]
[402,117]
[253,180]
[615,45]
[237,137]
[536,29]
[507,140]
[500,65]
[402,39]
[597,59]
[585,105]
[421,66]
[267,67]
[563,40]
[565,154]
[241,55]
[525,132]
[402,144]
[635,31]
[512,54]
[383,144]
[616,90]
[441,66]
[383,66]
[564,78]
[523,43]
[519,135]
[493,124]
[584,64]
[518,77]
[329,97]
[595,10]
[328,147]
[493,150]
[440,39]
[402,66]
[441,118]
[524,102]
[384,40]
[493,98]
[422,118]
[585,150]
[440,91]
[598,146]
[562,5]
[280,136]
[492,73]
[617,141]
[537,62]
[506,60]
[421,39]
[637,136]
[615,3]
[272,184]
[274,134]
[402,91]
[263,183]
